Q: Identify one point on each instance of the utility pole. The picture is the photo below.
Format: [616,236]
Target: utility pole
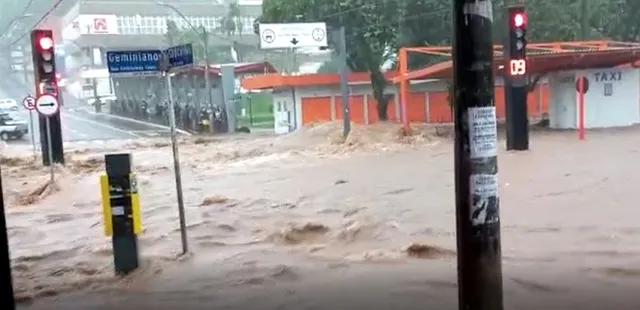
[207,79]
[476,184]
[344,82]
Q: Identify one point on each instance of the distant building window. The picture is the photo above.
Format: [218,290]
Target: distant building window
[136,24]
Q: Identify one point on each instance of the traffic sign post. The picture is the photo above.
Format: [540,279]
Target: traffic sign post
[47,106]
[176,57]
[29,103]
[278,36]
[154,63]
[582,86]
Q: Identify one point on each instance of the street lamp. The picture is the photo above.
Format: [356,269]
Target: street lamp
[204,36]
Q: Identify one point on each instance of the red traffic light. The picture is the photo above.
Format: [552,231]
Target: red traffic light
[45,43]
[519,20]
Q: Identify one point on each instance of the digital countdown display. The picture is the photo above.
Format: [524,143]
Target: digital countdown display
[517,67]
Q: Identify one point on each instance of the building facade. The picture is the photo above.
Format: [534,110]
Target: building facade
[90,28]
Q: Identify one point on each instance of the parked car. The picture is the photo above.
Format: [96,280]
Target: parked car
[12,128]
[8,104]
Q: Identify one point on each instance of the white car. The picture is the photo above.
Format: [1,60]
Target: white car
[8,105]
[12,127]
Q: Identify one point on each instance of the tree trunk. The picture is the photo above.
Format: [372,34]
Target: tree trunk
[379,83]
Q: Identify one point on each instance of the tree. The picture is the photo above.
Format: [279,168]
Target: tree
[375,27]
[231,24]
[424,23]
[617,20]
[370,29]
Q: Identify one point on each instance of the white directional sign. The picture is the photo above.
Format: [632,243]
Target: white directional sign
[47,105]
[273,36]
[29,103]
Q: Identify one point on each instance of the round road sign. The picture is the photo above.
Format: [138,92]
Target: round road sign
[29,103]
[318,34]
[585,84]
[268,36]
[47,105]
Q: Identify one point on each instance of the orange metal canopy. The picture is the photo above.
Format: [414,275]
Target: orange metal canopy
[542,58]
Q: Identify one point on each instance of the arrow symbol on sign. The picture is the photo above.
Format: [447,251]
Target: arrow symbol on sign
[294,41]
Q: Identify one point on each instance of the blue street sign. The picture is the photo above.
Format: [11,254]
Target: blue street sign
[134,63]
[180,56]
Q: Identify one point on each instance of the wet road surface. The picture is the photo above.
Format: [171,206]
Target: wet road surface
[78,124]
[300,222]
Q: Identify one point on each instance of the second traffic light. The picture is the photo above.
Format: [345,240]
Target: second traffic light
[46,82]
[517,32]
[517,42]
[516,72]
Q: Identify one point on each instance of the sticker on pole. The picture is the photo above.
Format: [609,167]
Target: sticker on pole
[47,105]
[484,199]
[29,103]
[483,132]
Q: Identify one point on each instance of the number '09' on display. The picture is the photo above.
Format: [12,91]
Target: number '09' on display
[518,66]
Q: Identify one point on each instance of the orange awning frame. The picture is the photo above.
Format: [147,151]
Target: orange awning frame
[534,50]
[543,58]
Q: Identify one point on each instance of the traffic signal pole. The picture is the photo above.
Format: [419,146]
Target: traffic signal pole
[476,169]
[516,79]
[45,80]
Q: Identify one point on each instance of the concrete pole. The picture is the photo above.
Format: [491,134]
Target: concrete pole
[207,79]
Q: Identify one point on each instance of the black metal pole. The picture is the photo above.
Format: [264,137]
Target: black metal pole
[344,82]
[477,213]
[7,281]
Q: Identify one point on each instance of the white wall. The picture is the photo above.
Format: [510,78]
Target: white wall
[613,98]
[562,99]
[287,115]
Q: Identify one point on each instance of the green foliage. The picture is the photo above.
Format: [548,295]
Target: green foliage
[231,24]
[375,27]
[370,30]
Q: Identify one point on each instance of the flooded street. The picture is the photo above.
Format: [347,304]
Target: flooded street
[301,222]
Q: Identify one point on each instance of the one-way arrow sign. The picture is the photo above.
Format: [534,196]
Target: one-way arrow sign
[294,41]
[47,105]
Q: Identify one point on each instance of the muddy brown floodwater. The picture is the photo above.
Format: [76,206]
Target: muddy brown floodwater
[305,222]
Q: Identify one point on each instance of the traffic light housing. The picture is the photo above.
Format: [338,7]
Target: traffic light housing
[516,72]
[517,43]
[46,82]
[44,61]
